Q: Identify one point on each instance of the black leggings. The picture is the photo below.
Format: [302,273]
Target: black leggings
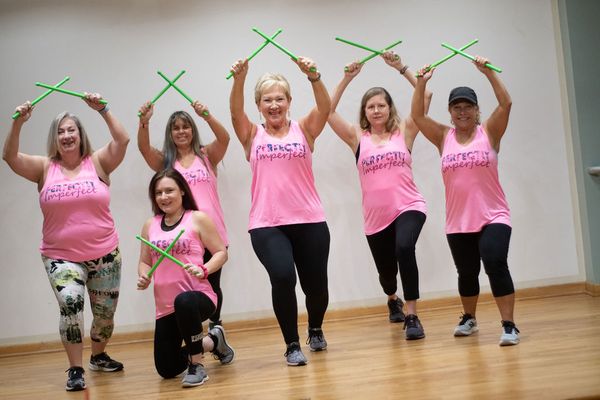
[490,245]
[215,281]
[278,249]
[185,324]
[393,249]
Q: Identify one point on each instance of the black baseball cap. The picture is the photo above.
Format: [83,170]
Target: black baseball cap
[462,93]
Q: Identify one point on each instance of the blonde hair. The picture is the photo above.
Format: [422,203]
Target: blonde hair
[269,80]
[85,147]
[393,122]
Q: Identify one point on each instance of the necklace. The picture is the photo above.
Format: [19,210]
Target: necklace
[167,225]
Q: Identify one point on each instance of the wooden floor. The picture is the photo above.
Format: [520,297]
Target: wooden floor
[368,358]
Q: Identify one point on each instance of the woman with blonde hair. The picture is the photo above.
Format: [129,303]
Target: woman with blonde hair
[287,222]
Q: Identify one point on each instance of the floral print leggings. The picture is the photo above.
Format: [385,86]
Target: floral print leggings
[68,279]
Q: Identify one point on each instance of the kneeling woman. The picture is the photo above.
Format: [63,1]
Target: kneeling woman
[184,298]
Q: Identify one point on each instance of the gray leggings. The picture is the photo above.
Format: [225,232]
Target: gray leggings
[68,279]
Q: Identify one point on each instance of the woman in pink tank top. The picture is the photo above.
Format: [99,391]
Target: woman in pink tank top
[184,151]
[184,298]
[477,215]
[394,211]
[79,245]
[287,222]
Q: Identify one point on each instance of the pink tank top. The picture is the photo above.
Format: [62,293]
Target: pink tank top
[474,197]
[203,183]
[77,225]
[169,278]
[283,186]
[386,180]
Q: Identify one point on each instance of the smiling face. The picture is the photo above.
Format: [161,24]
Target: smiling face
[274,105]
[181,133]
[464,114]
[68,137]
[168,196]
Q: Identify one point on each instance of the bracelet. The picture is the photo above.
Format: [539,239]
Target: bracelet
[204,271]
[104,109]
[403,70]
[317,79]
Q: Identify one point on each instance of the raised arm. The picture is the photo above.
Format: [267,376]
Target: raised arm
[496,124]
[345,130]
[217,148]
[153,156]
[410,127]
[244,129]
[28,166]
[312,124]
[111,154]
[432,130]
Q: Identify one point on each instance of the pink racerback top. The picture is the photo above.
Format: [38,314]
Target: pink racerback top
[203,183]
[169,278]
[474,197]
[78,225]
[386,180]
[283,186]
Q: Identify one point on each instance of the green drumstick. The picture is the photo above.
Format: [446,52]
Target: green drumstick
[262,46]
[449,56]
[160,251]
[164,90]
[65,91]
[360,46]
[43,96]
[470,57]
[364,60]
[162,257]
[280,47]
[172,83]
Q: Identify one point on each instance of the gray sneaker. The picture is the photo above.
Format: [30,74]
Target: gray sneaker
[222,351]
[294,355]
[414,329]
[316,341]
[510,334]
[467,326]
[195,376]
[395,309]
[212,324]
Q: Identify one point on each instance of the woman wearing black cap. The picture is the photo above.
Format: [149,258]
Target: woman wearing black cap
[477,214]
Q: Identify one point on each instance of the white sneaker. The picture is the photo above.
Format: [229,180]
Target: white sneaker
[510,334]
[467,326]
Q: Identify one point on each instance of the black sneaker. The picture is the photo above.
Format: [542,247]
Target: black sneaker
[102,362]
[316,340]
[395,307]
[414,329]
[75,381]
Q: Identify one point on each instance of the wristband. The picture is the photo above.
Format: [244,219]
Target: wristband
[104,109]
[403,70]
[317,79]
[204,271]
